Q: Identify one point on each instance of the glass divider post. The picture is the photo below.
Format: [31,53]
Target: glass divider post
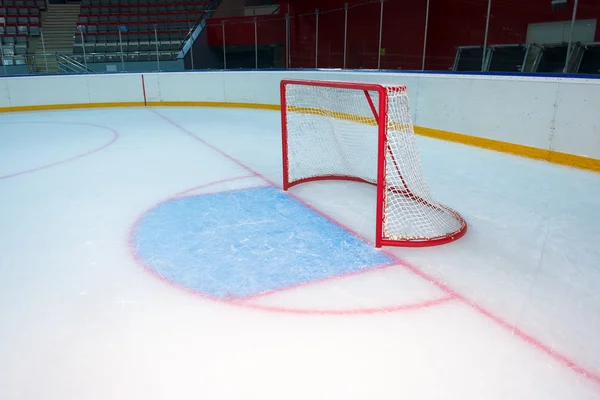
[570,43]
[485,38]
[287,41]
[224,49]
[317,38]
[2,59]
[121,46]
[425,36]
[380,35]
[156,45]
[191,32]
[44,47]
[345,33]
[80,28]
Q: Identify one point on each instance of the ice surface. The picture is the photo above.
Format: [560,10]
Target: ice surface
[80,319]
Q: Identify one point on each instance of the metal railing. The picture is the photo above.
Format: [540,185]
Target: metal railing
[194,32]
[67,64]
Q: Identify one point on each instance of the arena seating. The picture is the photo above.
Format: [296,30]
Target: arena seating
[144,26]
[19,19]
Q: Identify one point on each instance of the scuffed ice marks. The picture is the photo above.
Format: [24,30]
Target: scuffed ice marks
[238,244]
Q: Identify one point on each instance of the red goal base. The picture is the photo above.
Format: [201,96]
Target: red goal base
[379,242]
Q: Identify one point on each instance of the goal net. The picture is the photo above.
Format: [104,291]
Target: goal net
[363,132]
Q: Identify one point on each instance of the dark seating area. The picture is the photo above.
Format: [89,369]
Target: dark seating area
[138,29]
[19,20]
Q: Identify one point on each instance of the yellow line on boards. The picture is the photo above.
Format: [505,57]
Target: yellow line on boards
[367,120]
[220,104]
[555,157]
[45,107]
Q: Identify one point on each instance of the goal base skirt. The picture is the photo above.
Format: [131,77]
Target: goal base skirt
[287,185]
[379,242]
[423,243]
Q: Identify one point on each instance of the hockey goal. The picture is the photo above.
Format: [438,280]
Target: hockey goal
[363,132]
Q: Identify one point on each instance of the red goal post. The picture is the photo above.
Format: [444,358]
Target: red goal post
[363,132]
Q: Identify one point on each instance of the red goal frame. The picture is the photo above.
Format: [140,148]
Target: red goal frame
[381,119]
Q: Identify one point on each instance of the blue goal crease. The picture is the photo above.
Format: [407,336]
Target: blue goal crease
[246,242]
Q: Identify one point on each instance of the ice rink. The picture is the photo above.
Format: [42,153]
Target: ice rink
[148,253]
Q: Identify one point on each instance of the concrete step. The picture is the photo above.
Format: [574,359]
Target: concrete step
[43,64]
[63,8]
[59,24]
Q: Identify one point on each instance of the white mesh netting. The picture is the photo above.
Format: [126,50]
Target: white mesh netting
[332,133]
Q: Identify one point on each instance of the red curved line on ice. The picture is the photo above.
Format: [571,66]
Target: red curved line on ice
[350,311]
[114,138]
[246,302]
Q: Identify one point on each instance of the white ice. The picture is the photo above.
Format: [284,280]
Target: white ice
[80,319]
